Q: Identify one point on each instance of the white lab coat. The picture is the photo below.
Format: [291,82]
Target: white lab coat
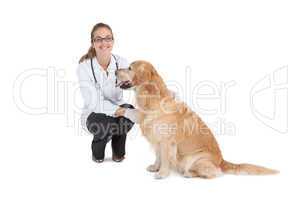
[104,99]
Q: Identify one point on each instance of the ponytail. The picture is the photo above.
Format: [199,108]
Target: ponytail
[90,54]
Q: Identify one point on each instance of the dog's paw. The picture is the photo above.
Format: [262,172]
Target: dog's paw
[161,175]
[189,174]
[152,168]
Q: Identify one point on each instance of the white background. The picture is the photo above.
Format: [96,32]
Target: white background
[46,156]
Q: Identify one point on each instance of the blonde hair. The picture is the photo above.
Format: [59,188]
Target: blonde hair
[91,52]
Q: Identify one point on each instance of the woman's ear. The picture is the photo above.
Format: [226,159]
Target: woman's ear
[92,48]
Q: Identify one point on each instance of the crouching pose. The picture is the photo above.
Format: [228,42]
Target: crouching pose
[104,112]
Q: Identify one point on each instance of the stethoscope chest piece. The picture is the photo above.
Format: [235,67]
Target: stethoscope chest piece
[97,86]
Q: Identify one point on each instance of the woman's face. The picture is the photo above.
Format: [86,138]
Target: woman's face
[103,41]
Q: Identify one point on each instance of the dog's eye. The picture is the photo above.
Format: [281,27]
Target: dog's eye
[129,68]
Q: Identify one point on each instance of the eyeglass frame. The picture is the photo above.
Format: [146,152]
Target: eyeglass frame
[99,39]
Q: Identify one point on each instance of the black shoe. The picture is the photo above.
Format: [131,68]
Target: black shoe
[97,160]
[118,159]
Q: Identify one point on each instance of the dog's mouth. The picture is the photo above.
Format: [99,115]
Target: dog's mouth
[124,84]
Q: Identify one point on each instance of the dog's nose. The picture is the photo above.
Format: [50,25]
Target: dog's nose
[116,72]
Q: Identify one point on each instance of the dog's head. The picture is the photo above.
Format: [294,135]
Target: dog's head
[149,86]
[138,73]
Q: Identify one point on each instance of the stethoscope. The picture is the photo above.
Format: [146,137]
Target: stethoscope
[97,85]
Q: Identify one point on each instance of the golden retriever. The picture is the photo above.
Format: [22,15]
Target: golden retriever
[181,140]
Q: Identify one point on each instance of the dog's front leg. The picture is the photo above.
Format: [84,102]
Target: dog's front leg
[155,167]
[164,169]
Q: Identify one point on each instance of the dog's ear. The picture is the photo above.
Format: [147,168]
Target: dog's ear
[154,75]
[160,85]
[151,88]
[141,76]
[149,95]
[136,80]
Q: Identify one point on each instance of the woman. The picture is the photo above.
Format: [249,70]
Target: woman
[104,110]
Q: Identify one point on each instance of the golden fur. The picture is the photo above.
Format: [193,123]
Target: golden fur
[180,138]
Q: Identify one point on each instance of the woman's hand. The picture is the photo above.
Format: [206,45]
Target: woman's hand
[120,112]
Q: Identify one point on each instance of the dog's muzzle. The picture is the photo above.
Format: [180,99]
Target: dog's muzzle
[124,84]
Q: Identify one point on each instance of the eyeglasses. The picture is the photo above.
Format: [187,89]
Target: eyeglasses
[100,39]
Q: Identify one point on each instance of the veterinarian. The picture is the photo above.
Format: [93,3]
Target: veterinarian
[104,112]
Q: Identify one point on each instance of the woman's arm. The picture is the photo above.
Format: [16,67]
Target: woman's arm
[93,101]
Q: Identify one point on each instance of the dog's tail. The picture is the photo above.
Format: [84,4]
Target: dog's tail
[230,168]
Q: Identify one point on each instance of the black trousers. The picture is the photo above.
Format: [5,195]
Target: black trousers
[104,128]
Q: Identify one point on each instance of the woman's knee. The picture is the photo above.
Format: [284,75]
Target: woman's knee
[98,124]
[125,125]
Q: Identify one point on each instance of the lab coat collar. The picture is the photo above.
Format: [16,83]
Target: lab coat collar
[98,67]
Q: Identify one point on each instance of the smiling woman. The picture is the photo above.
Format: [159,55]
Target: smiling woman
[104,110]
